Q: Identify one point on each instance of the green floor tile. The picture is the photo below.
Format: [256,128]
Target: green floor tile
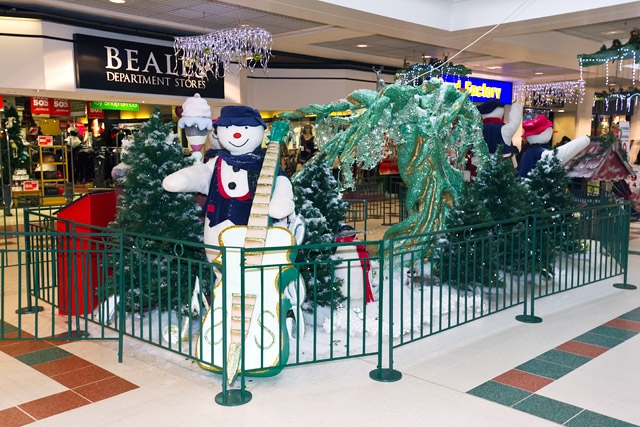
[6,328]
[43,356]
[598,339]
[622,334]
[593,419]
[563,358]
[632,315]
[545,369]
[548,409]
[499,393]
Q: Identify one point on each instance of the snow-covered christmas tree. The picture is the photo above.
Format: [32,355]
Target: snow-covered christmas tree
[146,208]
[12,139]
[319,200]
[466,256]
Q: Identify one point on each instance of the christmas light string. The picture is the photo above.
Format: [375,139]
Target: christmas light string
[214,53]
[550,94]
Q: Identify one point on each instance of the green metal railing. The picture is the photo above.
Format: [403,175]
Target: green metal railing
[332,301]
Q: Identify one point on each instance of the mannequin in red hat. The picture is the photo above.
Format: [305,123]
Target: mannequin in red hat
[538,133]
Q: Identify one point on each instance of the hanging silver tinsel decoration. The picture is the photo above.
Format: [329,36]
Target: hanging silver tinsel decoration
[214,53]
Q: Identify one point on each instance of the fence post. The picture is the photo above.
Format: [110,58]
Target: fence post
[389,374]
[30,308]
[531,233]
[624,259]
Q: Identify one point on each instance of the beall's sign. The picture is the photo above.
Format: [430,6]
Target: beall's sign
[123,66]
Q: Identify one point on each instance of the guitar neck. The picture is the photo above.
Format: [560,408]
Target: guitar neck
[258,223]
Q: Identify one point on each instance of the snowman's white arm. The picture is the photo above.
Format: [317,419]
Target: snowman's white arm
[511,127]
[571,149]
[281,204]
[194,178]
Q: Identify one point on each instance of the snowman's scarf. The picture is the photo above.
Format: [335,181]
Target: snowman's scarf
[249,161]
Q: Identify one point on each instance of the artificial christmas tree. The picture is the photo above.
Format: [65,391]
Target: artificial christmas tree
[146,208]
[15,153]
[319,200]
[466,256]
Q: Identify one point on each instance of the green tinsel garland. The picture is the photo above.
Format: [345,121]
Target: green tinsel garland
[432,127]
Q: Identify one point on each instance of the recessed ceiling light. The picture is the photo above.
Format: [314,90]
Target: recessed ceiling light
[494,67]
[362,45]
[118,1]
[538,73]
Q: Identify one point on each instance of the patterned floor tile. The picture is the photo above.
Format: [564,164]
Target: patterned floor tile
[61,366]
[499,393]
[83,376]
[523,380]
[105,389]
[592,419]
[563,358]
[581,348]
[14,417]
[43,356]
[548,409]
[54,404]
[544,369]
[598,339]
[629,325]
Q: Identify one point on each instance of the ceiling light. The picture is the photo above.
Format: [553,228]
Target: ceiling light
[538,73]
[117,1]
[362,45]
[494,67]
[612,32]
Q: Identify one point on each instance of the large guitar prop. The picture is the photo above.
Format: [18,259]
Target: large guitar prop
[262,306]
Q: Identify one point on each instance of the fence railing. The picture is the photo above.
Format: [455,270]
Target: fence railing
[303,304]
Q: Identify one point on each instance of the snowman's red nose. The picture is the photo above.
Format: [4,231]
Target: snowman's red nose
[237,135]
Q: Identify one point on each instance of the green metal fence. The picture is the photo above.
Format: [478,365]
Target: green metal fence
[303,304]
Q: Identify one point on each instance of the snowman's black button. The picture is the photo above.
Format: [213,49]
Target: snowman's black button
[232,185]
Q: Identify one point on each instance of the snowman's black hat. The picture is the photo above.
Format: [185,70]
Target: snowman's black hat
[239,115]
[489,106]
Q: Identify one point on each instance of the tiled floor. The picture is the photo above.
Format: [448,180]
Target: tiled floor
[576,368]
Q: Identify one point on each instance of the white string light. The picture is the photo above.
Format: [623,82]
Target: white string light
[549,94]
[215,52]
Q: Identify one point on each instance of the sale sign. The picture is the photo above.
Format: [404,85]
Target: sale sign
[60,107]
[94,113]
[39,105]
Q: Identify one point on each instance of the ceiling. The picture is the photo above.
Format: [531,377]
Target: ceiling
[526,41]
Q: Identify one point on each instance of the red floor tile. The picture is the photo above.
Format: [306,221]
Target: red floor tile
[523,380]
[14,417]
[83,376]
[583,349]
[628,325]
[105,389]
[53,405]
[19,348]
[62,366]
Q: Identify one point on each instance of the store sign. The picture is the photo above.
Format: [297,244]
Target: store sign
[45,140]
[122,106]
[50,106]
[481,90]
[60,107]
[39,105]
[94,113]
[123,66]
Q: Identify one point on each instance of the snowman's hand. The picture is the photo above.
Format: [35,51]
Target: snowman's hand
[281,205]
[194,178]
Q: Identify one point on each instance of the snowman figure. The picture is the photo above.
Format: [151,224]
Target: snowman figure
[196,122]
[538,133]
[229,177]
[495,131]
